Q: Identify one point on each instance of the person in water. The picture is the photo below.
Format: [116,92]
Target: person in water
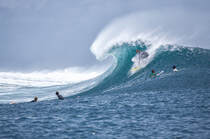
[12,102]
[59,96]
[35,99]
[153,74]
[174,68]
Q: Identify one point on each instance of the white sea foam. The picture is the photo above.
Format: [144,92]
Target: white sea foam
[131,28]
[23,87]
[48,78]
[126,29]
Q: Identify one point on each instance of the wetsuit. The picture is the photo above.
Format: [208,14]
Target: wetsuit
[60,97]
[153,75]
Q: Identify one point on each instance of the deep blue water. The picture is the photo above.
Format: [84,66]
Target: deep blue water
[172,105]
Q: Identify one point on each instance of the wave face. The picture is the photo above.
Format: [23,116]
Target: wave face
[193,65]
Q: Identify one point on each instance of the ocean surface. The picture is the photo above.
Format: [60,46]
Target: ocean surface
[115,103]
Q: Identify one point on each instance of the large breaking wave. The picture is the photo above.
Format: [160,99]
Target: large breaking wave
[117,42]
[20,87]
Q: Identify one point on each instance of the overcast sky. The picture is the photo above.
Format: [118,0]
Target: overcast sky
[56,34]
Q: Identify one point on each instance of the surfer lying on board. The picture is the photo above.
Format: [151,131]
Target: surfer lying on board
[153,74]
[59,96]
[35,99]
[174,68]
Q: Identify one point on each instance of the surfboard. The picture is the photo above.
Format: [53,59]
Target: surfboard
[161,72]
[175,70]
[135,68]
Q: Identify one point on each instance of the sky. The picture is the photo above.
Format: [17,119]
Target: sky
[57,34]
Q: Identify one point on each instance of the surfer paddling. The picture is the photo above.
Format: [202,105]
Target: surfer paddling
[153,74]
[174,68]
[59,96]
[35,99]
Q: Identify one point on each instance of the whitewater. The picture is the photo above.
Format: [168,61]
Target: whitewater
[110,101]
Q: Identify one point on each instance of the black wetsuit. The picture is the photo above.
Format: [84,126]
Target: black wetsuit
[60,97]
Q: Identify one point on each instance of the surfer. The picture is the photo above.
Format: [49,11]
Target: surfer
[153,74]
[12,102]
[142,54]
[137,59]
[35,99]
[59,96]
[174,68]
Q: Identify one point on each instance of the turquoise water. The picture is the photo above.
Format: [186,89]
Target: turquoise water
[120,104]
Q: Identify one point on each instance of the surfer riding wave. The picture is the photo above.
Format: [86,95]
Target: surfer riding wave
[140,55]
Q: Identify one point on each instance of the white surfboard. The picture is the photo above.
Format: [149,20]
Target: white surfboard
[161,72]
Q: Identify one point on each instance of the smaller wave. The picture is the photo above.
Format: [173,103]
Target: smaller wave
[22,87]
[48,78]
